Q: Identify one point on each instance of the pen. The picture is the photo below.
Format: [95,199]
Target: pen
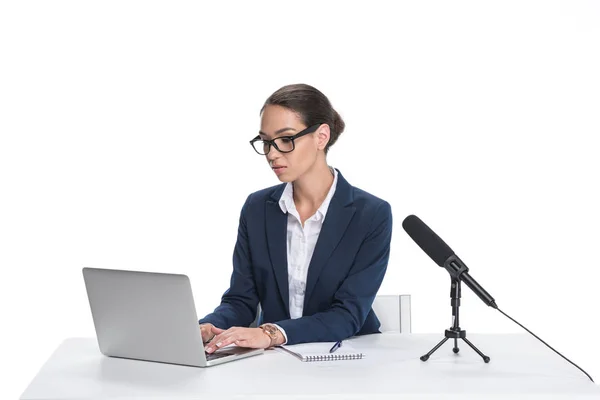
[336,346]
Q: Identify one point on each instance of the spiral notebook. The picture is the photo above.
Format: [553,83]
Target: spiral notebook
[309,352]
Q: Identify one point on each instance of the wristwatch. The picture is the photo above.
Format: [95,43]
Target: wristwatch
[271,330]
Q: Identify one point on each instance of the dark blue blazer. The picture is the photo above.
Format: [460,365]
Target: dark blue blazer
[344,274]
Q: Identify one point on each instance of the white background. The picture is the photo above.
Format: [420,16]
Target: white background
[124,144]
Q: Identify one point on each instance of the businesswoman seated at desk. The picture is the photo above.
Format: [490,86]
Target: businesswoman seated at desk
[313,250]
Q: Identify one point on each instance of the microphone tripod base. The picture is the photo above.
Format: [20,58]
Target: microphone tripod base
[453,334]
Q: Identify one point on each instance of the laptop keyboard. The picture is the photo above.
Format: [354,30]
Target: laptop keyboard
[217,355]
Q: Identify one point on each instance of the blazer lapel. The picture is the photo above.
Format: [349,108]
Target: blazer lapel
[336,221]
[276,224]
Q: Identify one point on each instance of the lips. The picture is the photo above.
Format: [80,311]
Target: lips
[278,169]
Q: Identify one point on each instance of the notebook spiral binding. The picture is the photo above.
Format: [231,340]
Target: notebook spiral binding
[335,357]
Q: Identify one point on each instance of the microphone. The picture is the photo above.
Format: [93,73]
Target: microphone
[443,256]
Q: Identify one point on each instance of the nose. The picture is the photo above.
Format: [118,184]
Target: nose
[273,154]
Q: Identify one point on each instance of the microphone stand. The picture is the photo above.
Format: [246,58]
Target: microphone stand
[455,332]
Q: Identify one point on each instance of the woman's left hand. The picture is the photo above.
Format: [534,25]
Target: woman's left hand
[254,338]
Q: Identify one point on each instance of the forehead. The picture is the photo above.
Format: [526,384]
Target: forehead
[275,118]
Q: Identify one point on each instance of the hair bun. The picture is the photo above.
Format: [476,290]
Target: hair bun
[338,123]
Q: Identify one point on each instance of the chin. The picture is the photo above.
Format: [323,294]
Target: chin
[286,177]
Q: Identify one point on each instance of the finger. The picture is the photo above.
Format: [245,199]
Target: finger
[221,342]
[227,341]
[208,338]
[249,343]
[205,327]
[219,339]
[248,338]
[216,330]
[206,333]
[225,333]
[246,342]
[228,337]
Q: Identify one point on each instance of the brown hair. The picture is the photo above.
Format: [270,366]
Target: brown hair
[311,105]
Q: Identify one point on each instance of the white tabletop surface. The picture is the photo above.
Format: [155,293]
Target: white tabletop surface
[520,367]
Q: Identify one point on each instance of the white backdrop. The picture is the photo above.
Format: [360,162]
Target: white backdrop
[124,144]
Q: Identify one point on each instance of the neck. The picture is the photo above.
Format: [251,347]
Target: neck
[310,190]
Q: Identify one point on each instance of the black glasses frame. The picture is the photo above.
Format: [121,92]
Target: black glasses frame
[271,143]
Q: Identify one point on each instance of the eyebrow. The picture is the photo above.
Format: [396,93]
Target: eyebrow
[278,132]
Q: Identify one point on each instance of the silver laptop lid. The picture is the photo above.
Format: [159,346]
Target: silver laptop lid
[145,316]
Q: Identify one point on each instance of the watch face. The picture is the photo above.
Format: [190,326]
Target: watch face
[271,330]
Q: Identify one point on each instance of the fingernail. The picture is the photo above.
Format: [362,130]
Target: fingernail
[207,349]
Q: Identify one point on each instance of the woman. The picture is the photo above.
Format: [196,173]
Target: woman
[313,250]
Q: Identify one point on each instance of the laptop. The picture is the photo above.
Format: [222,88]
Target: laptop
[150,316]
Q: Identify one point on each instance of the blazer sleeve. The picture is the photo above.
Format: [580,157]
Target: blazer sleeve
[353,300]
[239,303]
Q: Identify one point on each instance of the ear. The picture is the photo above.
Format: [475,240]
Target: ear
[323,134]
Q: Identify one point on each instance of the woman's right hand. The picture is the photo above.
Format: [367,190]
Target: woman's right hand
[209,331]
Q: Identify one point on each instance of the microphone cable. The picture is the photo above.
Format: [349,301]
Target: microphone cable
[512,319]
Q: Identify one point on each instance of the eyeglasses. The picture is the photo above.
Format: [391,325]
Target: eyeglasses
[283,144]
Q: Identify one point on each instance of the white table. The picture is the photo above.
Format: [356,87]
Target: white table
[520,367]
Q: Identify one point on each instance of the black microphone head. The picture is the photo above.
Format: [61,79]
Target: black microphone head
[427,239]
